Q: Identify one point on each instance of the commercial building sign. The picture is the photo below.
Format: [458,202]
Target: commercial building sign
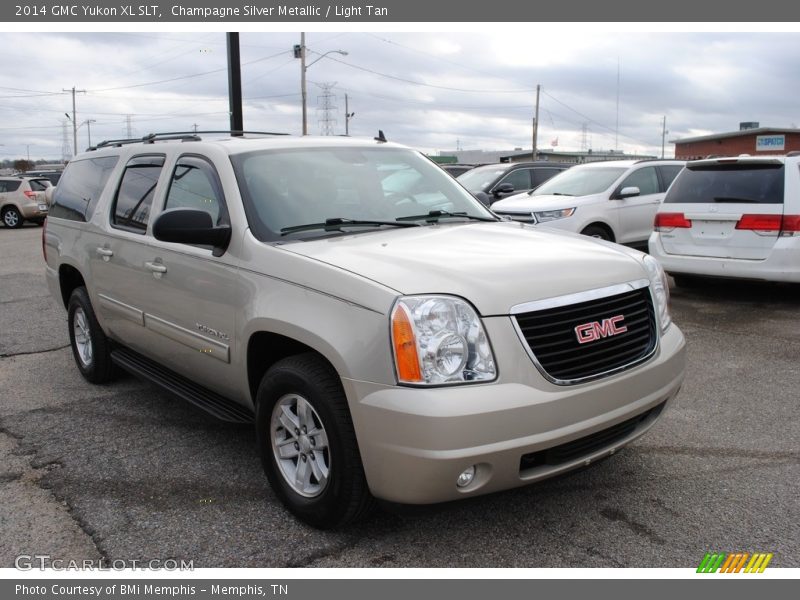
[770,142]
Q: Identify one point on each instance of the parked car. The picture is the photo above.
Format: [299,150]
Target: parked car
[52,176]
[22,199]
[388,336]
[732,217]
[492,182]
[456,169]
[613,200]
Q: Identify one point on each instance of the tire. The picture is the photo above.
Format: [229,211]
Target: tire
[12,218]
[596,231]
[90,346]
[319,478]
[687,281]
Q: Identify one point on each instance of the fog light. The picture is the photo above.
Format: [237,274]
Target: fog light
[466,477]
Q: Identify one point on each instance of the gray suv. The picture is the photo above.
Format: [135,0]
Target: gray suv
[388,336]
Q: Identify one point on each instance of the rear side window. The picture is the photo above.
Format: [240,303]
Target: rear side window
[542,175]
[645,179]
[80,187]
[39,185]
[10,186]
[135,193]
[520,179]
[733,183]
[668,174]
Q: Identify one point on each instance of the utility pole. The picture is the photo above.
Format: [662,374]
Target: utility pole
[664,133]
[303,80]
[128,127]
[89,129]
[347,115]
[535,124]
[74,119]
[235,83]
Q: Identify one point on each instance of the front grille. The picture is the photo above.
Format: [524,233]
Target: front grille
[551,336]
[586,446]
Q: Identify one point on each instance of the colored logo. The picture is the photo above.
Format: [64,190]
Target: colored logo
[735,562]
[591,332]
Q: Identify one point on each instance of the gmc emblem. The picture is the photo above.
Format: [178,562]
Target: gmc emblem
[591,332]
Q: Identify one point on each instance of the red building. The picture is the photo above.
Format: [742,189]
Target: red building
[757,141]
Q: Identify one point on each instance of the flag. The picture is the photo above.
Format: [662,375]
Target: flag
[554,142]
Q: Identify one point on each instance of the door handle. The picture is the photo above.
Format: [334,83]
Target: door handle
[105,253]
[156,267]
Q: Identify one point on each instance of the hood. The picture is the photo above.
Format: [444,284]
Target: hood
[525,203]
[492,265]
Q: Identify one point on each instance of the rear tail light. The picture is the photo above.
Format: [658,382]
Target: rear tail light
[30,194]
[669,221]
[783,225]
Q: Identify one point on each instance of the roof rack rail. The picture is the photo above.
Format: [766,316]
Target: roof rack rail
[186,136]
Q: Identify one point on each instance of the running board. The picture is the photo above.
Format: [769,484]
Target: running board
[216,405]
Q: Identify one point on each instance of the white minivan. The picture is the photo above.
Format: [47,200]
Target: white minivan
[733,217]
[612,200]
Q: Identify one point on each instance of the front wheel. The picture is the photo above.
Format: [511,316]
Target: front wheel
[307,443]
[12,218]
[598,232]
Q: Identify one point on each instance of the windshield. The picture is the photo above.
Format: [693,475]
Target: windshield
[579,181]
[284,190]
[479,178]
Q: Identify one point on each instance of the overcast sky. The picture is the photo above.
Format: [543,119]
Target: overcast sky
[433,91]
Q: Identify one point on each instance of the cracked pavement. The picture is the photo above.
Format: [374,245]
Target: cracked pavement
[125,471]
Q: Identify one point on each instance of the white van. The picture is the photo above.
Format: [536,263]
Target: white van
[732,217]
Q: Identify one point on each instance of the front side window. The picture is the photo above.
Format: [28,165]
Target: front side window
[283,189]
[477,179]
[195,184]
[520,179]
[645,179]
[135,193]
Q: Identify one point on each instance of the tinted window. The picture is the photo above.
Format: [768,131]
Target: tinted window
[745,183]
[195,185]
[39,185]
[644,179]
[668,174]
[477,179]
[80,187]
[10,186]
[542,175]
[520,179]
[135,194]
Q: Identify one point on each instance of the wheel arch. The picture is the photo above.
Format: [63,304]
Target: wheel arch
[602,225]
[69,278]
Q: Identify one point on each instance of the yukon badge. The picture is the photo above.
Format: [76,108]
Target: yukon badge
[591,332]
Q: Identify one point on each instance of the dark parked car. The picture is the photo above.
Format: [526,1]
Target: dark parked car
[456,169]
[490,183]
[53,176]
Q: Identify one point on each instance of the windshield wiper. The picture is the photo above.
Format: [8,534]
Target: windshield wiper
[336,224]
[735,199]
[435,215]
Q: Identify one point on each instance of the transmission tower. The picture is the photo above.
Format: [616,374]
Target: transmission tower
[128,127]
[326,106]
[584,137]
[66,147]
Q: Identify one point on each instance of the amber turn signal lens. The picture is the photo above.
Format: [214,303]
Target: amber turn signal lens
[405,347]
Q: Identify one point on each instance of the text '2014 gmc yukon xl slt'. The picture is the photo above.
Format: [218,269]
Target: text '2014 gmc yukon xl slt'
[389,336]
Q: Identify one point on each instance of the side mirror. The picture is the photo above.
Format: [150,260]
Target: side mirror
[628,192]
[191,226]
[483,198]
[503,190]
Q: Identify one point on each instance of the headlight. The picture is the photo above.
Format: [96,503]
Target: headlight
[551,215]
[439,339]
[660,289]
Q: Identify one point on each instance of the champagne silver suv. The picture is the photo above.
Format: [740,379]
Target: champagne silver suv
[388,336]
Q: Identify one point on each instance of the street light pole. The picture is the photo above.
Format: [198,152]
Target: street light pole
[74,119]
[303,68]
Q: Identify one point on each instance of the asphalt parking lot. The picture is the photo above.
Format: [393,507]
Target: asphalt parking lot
[128,472]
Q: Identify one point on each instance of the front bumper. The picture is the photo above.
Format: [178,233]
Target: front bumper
[415,442]
[783,263]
